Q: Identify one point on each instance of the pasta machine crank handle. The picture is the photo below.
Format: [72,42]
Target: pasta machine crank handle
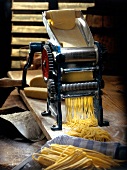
[34,47]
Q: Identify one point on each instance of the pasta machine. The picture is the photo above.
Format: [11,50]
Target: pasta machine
[72,63]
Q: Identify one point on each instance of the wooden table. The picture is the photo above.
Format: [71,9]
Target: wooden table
[113,101]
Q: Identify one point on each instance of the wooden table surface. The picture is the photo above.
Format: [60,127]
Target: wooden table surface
[113,101]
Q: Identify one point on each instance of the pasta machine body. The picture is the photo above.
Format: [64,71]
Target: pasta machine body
[60,63]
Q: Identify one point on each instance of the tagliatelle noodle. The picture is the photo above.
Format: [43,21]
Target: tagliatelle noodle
[81,119]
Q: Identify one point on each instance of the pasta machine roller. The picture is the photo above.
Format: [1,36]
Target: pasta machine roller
[72,63]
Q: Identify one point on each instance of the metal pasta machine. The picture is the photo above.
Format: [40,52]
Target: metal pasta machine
[72,62]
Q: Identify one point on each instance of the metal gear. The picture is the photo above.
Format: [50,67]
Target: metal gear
[52,89]
[47,61]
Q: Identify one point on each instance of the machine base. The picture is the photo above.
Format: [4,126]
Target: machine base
[56,127]
[46,113]
[105,123]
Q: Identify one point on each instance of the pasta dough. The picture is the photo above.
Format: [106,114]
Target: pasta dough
[62,19]
[36,92]
[38,81]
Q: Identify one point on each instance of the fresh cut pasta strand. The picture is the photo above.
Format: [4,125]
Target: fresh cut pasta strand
[72,158]
[80,115]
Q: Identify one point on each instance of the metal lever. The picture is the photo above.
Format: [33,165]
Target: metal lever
[34,47]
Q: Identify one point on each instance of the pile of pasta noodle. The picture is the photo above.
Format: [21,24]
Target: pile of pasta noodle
[81,119]
[68,157]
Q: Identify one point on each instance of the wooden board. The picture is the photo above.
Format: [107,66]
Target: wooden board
[77,6]
[27,17]
[20,52]
[30,5]
[113,101]
[15,63]
[28,29]
[25,41]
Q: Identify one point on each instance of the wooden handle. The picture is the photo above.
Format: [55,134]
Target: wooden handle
[7,82]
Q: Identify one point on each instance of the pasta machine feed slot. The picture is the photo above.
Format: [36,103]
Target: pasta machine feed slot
[72,63]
